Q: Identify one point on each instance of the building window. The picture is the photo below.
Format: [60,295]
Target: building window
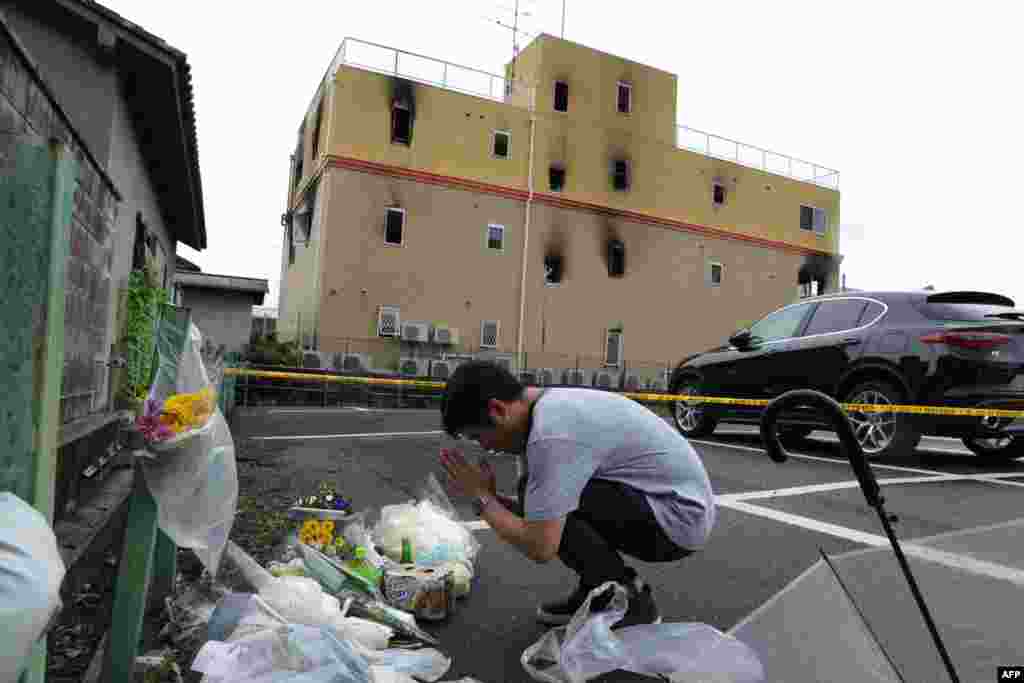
[625,98]
[552,271]
[556,178]
[613,348]
[616,258]
[496,237]
[561,96]
[718,194]
[620,175]
[502,144]
[401,124]
[715,273]
[808,289]
[489,334]
[316,129]
[388,321]
[394,226]
[812,218]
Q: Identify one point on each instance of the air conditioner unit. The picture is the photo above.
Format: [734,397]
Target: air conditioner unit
[576,378]
[606,379]
[442,369]
[354,362]
[414,367]
[415,332]
[446,335]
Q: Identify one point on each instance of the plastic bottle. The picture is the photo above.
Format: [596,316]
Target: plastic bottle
[360,565]
[407,557]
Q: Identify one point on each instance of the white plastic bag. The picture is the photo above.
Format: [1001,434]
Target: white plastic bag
[31,572]
[424,665]
[431,525]
[288,654]
[684,653]
[192,476]
[301,600]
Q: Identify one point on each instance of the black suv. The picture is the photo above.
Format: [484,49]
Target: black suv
[961,349]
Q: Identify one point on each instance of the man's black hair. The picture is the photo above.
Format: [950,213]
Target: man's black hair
[470,388]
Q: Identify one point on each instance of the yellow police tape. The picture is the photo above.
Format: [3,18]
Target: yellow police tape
[645,397]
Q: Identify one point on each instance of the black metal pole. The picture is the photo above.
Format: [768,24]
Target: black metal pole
[918,597]
[868,483]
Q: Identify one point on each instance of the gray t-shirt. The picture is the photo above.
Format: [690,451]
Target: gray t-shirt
[583,434]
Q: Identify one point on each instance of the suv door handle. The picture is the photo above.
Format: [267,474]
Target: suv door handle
[851,341]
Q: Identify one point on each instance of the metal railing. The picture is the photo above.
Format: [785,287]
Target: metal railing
[755,157]
[369,56]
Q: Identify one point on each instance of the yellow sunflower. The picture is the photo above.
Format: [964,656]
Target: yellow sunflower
[324,537]
[327,525]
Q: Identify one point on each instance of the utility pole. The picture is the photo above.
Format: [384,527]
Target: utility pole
[563,19]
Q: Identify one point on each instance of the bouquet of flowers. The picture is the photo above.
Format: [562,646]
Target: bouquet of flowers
[320,515]
[189,459]
[179,414]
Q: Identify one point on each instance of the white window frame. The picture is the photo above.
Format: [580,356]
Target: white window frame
[815,213]
[497,331]
[508,144]
[381,310]
[607,336]
[554,95]
[711,273]
[629,88]
[487,237]
[387,211]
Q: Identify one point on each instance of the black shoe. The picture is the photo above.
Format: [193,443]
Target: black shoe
[642,609]
[561,612]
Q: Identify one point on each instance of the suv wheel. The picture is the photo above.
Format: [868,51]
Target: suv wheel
[881,434]
[690,418]
[1000,448]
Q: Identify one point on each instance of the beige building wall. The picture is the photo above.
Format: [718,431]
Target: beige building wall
[444,273]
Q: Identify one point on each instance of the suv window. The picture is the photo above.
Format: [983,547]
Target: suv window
[781,324]
[835,316]
[871,313]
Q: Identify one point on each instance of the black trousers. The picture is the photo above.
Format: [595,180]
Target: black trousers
[612,519]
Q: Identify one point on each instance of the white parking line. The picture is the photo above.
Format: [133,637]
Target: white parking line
[852,484]
[816,458]
[343,436]
[962,562]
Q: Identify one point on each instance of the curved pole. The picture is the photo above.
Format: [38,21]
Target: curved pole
[850,448]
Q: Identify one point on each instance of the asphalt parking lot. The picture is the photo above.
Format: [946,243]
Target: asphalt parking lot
[774,520]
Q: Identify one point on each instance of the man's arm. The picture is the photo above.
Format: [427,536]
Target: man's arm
[539,541]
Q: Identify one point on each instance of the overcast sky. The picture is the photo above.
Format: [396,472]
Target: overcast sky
[918,105]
